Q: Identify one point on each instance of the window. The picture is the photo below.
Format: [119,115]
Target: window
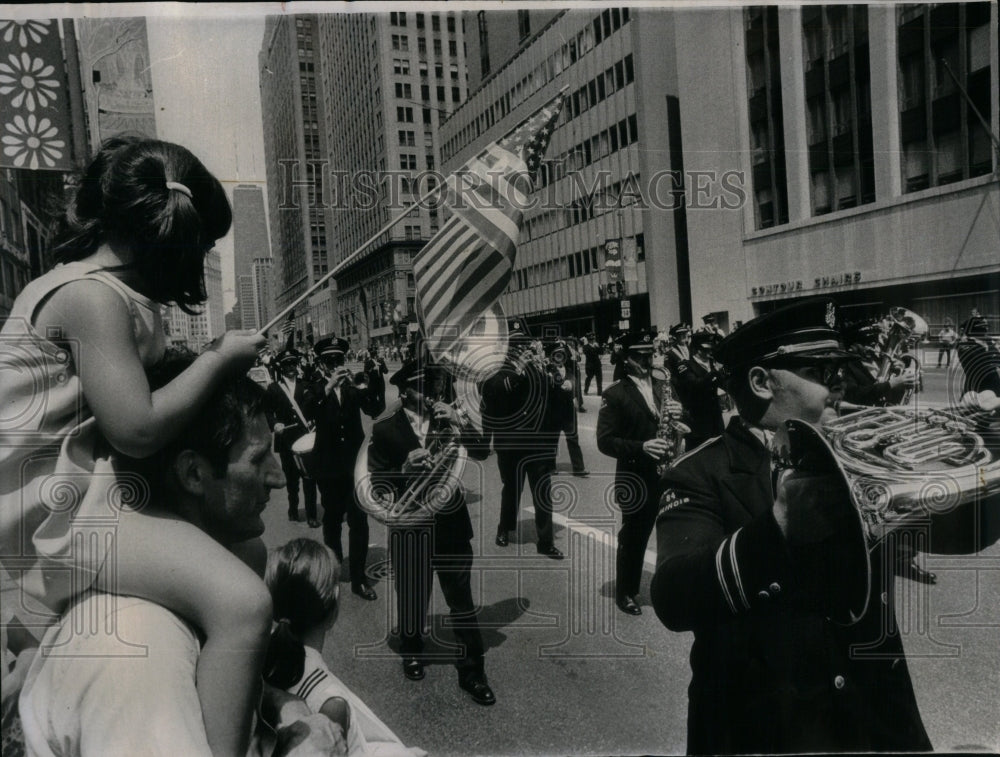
[484,45]
[397,19]
[437,46]
[423,69]
[420,20]
[407,162]
[439,70]
[523,25]
[940,47]
[435,22]
[455,95]
[425,92]
[400,42]
[405,115]
[407,138]
[453,70]
[404,91]
[427,115]
[400,66]
[838,107]
[440,94]
[763,62]
[421,45]
[450,21]
[452,48]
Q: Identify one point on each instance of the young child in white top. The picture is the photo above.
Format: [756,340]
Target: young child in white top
[303,577]
[74,398]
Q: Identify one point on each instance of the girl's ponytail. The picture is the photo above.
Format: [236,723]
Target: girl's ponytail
[285,661]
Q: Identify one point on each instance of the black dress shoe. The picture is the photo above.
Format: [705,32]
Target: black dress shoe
[413,669]
[313,523]
[914,572]
[502,540]
[628,606]
[479,690]
[551,552]
[365,592]
[581,409]
[582,473]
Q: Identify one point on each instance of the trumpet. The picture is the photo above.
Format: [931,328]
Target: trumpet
[899,466]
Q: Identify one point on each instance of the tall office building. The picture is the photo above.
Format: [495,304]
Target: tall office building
[262,289]
[250,243]
[294,148]
[866,172]
[618,135]
[388,81]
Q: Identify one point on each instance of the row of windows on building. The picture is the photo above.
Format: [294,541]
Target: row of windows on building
[579,263]
[942,49]
[404,91]
[561,59]
[579,210]
[616,137]
[399,19]
[401,43]
[401,66]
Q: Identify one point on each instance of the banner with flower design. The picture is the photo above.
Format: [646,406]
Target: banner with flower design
[33,99]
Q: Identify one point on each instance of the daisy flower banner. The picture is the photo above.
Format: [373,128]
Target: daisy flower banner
[35,121]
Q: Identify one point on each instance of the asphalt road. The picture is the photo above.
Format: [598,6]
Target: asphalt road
[573,675]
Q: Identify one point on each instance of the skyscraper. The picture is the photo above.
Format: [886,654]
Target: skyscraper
[618,132]
[250,243]
[294,148]
[388,81]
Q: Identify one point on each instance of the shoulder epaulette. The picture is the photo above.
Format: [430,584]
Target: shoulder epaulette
[688,453]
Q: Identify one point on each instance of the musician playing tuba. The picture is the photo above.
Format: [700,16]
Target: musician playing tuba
[628,429]
[435,537]
[764,567]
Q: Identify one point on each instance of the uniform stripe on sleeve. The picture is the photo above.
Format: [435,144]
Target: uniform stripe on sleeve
[722,578]
[735,565]
[311,682]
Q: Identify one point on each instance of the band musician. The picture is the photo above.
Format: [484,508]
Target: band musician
[284,405]
[627,426]
[519,413]
[793,648]
[404,448]
[336,404]
[698,381]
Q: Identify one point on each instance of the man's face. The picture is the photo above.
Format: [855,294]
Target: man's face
[332,362]
[804,391]
[289,369]
[234,502]
[639,363]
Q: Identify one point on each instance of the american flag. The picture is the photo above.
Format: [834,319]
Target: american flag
[465,268]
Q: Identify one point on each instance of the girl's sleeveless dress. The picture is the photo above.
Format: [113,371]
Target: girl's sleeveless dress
[61,496]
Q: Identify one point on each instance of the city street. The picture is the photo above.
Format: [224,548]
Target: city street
[573,675]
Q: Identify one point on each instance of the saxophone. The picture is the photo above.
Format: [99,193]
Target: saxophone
[671,430]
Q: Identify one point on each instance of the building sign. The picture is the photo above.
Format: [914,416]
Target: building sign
[626,309]
[613,260]
[797,285]
[630,267]
[623,324]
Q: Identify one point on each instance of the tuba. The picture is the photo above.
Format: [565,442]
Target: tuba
[900,466]
[427,491]
[905,332]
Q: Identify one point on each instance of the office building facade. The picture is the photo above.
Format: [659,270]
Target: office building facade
[388,80]
[294,148]
[868,171]
[616,142]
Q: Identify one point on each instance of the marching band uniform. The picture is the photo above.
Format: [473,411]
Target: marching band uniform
[339,436]
[592,364]
[517,408]
[285,403]
[770,672]
[440,544]
[679,352]
[698,389]
[564,408]
[627,418]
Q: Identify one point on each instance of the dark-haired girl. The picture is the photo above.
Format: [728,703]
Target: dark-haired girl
[74,392]
[303,577]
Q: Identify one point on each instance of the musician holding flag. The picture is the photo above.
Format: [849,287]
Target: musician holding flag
[435,539]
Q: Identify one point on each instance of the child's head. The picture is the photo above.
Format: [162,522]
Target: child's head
[123,200]
[303,578]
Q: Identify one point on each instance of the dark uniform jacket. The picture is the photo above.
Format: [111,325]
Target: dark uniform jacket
[521,410]
[393,438]
[769,673]
[592,357]
[278,409]
[339,434]
[981,366]
[698,392]
[624,422]
[675,358]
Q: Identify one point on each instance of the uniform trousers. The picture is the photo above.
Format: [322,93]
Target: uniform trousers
[638,518]
[416,556]
[516,465]
[593,373]
[338,500]
[292,477]
[568,427]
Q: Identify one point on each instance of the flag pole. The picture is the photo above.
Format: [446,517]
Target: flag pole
[972,105]
[350,258]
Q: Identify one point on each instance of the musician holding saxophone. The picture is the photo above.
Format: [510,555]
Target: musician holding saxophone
[638,425]
[743,549]
[433,536]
